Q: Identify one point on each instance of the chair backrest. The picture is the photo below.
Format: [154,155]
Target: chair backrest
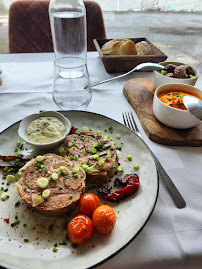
[29,26]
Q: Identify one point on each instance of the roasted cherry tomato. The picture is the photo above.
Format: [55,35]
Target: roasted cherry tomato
[104,219]
[80,229]
[88,203]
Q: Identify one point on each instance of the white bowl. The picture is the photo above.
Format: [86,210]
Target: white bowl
[159,79]
[24,123]
[173,117]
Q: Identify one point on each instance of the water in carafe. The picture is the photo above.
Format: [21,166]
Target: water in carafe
[68,26]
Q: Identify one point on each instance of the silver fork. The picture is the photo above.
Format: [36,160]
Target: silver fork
[129,121]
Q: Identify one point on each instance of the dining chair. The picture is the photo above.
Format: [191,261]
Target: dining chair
[29,26]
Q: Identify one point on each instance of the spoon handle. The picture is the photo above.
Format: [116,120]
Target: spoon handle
[107,80]
[144,67]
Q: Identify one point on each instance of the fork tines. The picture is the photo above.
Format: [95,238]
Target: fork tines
[130,123]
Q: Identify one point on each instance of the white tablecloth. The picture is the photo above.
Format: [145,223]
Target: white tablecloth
[172,236]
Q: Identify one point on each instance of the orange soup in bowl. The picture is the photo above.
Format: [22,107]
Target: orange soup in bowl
[175,99]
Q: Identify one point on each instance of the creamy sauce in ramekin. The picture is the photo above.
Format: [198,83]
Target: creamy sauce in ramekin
[45,130]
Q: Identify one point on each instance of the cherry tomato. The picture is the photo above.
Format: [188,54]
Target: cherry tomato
[80,229]
[104,219]
[88,203]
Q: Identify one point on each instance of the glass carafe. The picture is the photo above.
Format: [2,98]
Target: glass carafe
[71,89]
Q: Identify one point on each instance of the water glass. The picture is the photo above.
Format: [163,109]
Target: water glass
[71,90]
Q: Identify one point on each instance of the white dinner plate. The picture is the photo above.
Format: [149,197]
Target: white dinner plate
[132,213]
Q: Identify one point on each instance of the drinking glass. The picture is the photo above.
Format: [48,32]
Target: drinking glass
[71,89]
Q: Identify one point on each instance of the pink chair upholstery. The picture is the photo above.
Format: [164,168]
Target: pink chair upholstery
[29,27]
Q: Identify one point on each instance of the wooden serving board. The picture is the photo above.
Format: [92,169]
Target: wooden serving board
[139,93]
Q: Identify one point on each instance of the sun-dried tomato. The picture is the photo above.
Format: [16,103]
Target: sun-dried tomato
[131,183]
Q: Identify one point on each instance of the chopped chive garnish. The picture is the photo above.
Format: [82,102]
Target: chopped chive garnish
[71,157]
[15,223]
[61,150]
[110,129]
[94,157]
[106,146]
[20,144]
[17,175]
[55,249]
[17,204]
[71,144]
[136,166]
[102,153]
[16,162]
[98,133]
[129,157]
[101,163]
[120,168]
[93,150]
[82,137]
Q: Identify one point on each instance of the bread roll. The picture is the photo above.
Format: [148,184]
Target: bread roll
[143,48]
[119,47]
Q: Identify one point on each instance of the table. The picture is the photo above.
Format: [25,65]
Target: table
[172,236]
